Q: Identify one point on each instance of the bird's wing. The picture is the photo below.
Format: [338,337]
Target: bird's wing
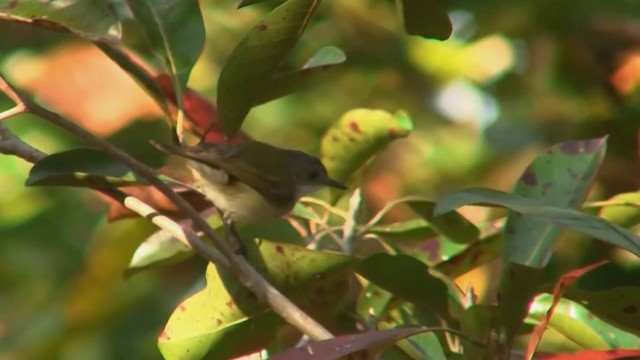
[269,175]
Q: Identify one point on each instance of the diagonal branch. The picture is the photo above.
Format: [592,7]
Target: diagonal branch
[12,145]
[247,275]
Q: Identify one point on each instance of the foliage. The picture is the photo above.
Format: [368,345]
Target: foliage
[393,266]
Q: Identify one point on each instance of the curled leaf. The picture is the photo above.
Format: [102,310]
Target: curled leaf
[358,136]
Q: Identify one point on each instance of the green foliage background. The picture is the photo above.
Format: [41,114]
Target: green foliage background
[62,293]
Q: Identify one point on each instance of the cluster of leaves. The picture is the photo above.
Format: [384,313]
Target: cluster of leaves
[402,297]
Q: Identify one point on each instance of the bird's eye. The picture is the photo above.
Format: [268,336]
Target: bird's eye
[314,175]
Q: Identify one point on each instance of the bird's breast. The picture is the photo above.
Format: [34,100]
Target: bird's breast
[237,200]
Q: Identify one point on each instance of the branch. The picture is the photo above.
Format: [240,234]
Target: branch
[12,145]
[246,274]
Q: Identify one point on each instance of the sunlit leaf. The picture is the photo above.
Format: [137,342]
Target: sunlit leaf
[619,306]
[627,213]
[577,324]
[358,136]
[372,302]
[227,320]
[253,63]
[565,281]
[159,248]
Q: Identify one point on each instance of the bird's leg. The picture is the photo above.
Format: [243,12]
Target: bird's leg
[231,234]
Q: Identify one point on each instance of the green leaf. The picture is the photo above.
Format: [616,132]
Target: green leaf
[518,285]
[244,3]
[227,320]
[372,302]
[561,217]
[286,83]
[91,19]
[560,177]
[618,306]
[452,225]
[426,18]
[425,345]
[158,249]
[408,279]
[476,254]
[253,63]
[411,230]
[176,32]
[623,215]
[80,168]
[580,325]
[359,135]
[476,323]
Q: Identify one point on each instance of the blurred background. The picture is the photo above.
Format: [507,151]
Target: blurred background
[514,78]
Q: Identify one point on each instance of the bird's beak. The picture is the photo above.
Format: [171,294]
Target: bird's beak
[334,183]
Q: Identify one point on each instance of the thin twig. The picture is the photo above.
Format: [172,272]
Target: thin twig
[325,206]
[247,275]
[349,229]
[376,219]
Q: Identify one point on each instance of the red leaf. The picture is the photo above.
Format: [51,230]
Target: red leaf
[201,113]
[558,290]
[593,355]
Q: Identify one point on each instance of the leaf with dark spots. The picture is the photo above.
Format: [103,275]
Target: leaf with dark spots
[560,177]
[582,147]
[80,168]
[226,319]
[562,217]
[344,150]
[529,178]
